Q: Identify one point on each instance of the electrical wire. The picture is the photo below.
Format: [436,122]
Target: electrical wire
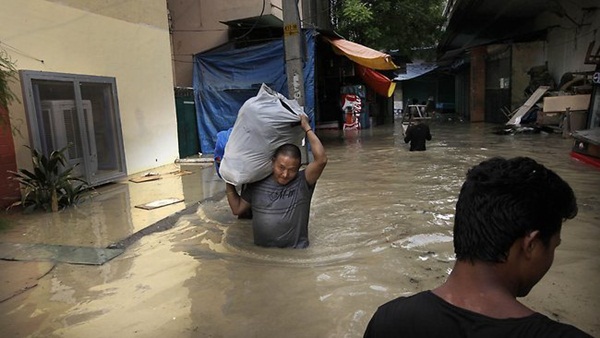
[18,51]
[255,22]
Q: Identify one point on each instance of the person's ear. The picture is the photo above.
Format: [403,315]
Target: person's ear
[530,241]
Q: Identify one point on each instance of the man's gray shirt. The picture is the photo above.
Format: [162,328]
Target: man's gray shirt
[280,212]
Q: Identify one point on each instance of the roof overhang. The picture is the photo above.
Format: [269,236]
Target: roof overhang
[480,22]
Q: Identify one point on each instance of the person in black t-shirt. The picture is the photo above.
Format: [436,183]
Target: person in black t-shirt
[507,226]
[417,134]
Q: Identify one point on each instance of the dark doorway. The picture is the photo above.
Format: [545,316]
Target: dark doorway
[497,89]
[187,128]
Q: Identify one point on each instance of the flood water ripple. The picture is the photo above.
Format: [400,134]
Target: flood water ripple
[380,227]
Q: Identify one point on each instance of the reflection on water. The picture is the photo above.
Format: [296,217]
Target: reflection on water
[381,227]
[97,222]
[110,216]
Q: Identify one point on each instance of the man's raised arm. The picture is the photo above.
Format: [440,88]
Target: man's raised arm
[315,168]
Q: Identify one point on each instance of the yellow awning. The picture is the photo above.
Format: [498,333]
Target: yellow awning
[362,55]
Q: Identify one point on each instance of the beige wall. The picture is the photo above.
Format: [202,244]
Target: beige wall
[196,27]
[127,40]
[150,12]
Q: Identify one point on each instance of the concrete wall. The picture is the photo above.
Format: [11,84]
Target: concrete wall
[315,13]
[196,27]
[524,56]
[127,40]
[151,13]
[568,40]
[564,49]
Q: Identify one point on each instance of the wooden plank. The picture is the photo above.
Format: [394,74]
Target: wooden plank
[555,104]
[181,172]
[145,179]
[533,99]
[159,203]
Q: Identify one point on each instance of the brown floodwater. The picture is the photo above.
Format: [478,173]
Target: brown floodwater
[380,227]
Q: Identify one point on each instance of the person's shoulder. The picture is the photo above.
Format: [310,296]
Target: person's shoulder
[426,314]
[407,302]
[301,179]
[546,327]
[399,316]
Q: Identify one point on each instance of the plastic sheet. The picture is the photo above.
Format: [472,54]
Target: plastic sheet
[224,79]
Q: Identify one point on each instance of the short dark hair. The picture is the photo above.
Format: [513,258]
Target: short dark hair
[503,200]
[288,149]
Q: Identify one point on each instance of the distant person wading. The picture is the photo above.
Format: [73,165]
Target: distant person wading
[417,134]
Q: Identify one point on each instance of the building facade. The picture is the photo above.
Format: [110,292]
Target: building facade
[495,49]
[96,75]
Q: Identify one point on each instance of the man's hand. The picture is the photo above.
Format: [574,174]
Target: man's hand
[304,122]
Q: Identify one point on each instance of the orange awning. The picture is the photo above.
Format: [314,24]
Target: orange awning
[362,55]
[377,81]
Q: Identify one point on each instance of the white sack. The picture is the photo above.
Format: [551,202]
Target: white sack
[262,125]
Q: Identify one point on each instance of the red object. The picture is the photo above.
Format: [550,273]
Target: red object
[352,106]
[586,159]
[9,189]
[349,118]
[379,82]
[351,102]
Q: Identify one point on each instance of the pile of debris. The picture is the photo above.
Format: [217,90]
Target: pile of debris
[554,111]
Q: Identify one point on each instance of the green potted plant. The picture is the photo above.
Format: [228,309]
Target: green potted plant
[50,185]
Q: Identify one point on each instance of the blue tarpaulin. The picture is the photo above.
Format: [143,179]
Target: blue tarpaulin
[414,70]
[224,80]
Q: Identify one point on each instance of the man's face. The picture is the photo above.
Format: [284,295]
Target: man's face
[542,260]
[285,169]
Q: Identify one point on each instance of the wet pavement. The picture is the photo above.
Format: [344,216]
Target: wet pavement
[100,229]
[381,227]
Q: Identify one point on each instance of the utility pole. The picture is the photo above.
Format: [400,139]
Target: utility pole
[292,41]
[294,65]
